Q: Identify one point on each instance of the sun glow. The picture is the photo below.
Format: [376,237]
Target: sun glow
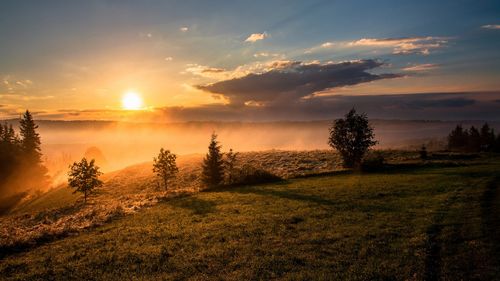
[131,101]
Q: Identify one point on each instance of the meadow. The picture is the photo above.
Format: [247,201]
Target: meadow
[410,220]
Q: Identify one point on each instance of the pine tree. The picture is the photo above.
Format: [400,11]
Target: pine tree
[213,164]
[230,166]
[31,156]
[487,138]
[457,139]
[30,139]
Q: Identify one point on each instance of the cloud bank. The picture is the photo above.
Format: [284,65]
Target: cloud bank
[289,81]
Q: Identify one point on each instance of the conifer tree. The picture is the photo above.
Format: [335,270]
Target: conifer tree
[213,164]
[30,139]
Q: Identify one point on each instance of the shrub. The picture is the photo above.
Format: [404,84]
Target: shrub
[373,162]
[251,175]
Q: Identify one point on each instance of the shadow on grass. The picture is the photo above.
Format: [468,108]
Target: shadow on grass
[196,205]
[9,202]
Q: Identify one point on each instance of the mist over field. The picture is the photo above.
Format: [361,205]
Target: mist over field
[116,145]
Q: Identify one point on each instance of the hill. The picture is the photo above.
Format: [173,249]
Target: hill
[411,221]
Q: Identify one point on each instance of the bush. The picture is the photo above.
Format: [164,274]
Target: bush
[373,162]
[251,175]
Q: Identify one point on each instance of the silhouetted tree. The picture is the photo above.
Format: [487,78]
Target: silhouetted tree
[487,138]
[9,153]
[352,136]
[473,140]
[165,167]
[31,155]
[30,139]
[457,139]
[423,152]
[213,169]
[230,165]
[84,177]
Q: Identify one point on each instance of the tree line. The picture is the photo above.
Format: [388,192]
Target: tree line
[473,139]
[21,166]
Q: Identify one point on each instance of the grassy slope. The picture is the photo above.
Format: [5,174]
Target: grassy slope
[413,224]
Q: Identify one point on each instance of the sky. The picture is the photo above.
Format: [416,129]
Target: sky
[171,61]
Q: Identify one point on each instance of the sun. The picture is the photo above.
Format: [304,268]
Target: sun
[131,101]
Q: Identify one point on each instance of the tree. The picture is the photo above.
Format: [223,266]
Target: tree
[30,139]
[165,167]
[457,139]
[230,165]
[213,164]
[487,138]
[84,177]
[9,154]
[35,173]
[473,140]
[352,136]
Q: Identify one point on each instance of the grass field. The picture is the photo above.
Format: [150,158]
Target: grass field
[422,222]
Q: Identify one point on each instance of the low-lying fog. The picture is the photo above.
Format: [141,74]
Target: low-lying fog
[122,144]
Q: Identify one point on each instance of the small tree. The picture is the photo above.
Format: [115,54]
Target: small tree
[352,136]
[165,166]
[230,165]
[487,138]
[423,152]
[457,139]
[213,164]
[84,177]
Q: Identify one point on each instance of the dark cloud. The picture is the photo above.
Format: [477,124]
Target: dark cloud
[429,106]
[439,103]
[291,81]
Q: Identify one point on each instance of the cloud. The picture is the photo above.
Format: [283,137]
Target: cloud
[290,81]
[421,67]
[403,46]
[12,84]
[256,37]
[491,26]
[265,55]
[169,59]
[327,45]
[184,29]
[413,106]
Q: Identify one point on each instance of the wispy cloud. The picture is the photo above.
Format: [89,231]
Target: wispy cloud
[256,37]
[421,67]
[406,45]
[491,26]
[184,28]
[266,55]
[12,84]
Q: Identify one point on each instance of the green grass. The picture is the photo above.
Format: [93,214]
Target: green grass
[56,198]
[413,224]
